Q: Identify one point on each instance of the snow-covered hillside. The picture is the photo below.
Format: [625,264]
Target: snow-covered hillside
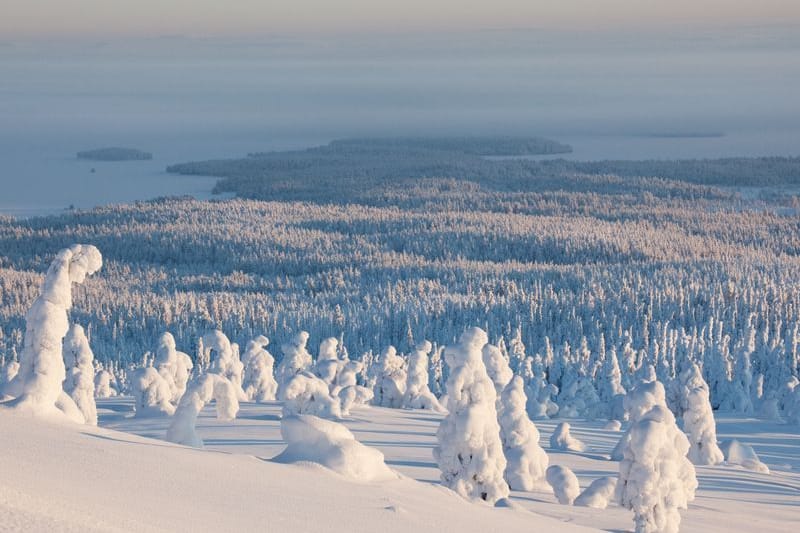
[729,498]
[59,477]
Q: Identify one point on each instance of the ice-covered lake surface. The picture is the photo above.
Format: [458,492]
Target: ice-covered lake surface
[729,498]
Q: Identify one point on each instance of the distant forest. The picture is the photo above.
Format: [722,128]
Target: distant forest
[349,170]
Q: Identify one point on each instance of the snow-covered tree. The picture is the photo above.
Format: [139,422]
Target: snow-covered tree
[259,383]
[598,493]
[540,398]
[296,358]
[391,381]
[103,384]
[225,360]
[174,366]
[417,394]
[199,392]
[469,451]
[305,393]
[328,363]
[152,394]
[79,381]
[37,387]
[347,390]
[698,418]
[497,367]
[656,479]
[526,460]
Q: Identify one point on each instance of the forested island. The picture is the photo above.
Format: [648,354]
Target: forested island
[345,170]
[115,153]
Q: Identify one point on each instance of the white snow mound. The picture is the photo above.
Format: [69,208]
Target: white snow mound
[738,453]
[330,444]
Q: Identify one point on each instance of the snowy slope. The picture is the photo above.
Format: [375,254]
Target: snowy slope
[729,498]
[77,478]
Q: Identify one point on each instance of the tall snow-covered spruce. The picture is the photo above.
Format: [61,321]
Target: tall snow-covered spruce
[79,382]
[656,479]
[37,387]
[698,418]
[469,451]
[527,461]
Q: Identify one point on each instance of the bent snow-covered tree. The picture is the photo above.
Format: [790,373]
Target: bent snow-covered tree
[37,387]
[469,451]
[201,391]
[527,461]
[79,381]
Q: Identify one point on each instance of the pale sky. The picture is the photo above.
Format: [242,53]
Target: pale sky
[106,18]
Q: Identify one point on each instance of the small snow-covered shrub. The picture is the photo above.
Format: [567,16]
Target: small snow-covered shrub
[151,393]
[391,379]
[305,393]
[469,451]
[598,493]
[564,482]
[330,444]
[417,394]
[739,453]
[656,479]
[698,418]
[103,387]
[79,381]
[561,439]
[527,461]
[37,387]
[201,391]
[259,383]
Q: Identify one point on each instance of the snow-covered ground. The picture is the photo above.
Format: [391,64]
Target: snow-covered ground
[729,498]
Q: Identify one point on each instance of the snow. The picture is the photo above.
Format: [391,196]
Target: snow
[151,392]
[305,393]
[259,383]
[598,494]
[698,418]
[742,454]
[561,439]
[79,381]
[527,461]
[134,484]
[332,445]
[564,482]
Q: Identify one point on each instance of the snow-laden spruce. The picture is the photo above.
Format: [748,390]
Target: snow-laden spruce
[225,360]
[305,393]
[598,493]
[526,460]
[469,451]
[174,366]
[564,482]
[296,358]
[328,364]
[540,395]
[351,394]
[259,382]
[656,479]
[391,379]
[497,367]
[37,387]
[330,444]
[104,384]
[199,392]
[698,418]
[417,394]
[640,400]
[562,439]
[79,381]
[152,394]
